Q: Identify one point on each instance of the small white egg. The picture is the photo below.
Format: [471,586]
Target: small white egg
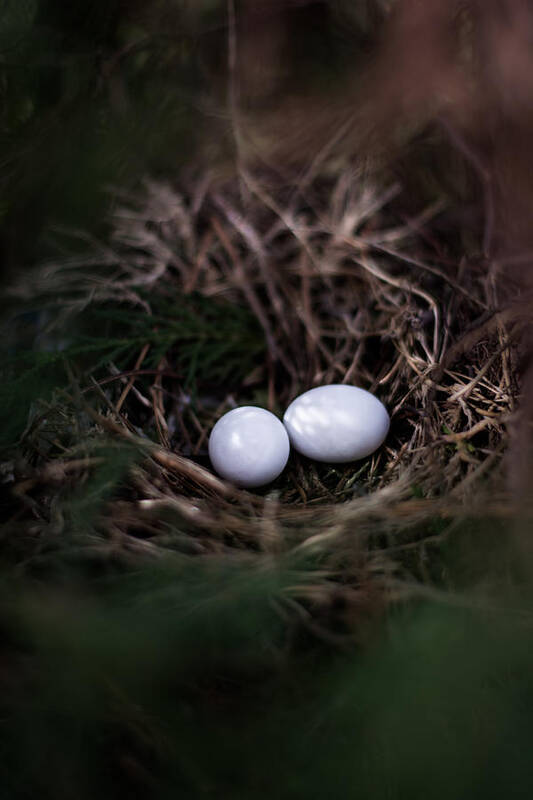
[336,423]
[249,446]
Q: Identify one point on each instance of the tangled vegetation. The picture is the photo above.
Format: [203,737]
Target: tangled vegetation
[350,630]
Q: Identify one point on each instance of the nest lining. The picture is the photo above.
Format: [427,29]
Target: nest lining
[344,290]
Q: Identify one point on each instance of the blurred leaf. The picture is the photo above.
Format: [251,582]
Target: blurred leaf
[183,666]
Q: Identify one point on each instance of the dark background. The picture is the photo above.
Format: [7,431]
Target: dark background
[101,94]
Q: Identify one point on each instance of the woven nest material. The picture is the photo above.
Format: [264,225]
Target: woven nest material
[345,290]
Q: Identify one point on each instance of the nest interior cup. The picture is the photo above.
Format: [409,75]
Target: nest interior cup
[249,446]
[336,423]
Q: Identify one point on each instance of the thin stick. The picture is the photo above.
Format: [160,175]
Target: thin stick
[127,388]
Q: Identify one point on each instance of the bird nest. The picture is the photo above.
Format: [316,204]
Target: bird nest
[337,286]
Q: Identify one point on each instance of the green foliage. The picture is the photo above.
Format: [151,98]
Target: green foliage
[82,507]
[183,679]
[205,341]
[212,340]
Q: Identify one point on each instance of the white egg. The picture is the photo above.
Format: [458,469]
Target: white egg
[336,423]
[249,446]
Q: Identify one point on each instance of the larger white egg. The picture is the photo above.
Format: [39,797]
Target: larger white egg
[249,446]
[336,423]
